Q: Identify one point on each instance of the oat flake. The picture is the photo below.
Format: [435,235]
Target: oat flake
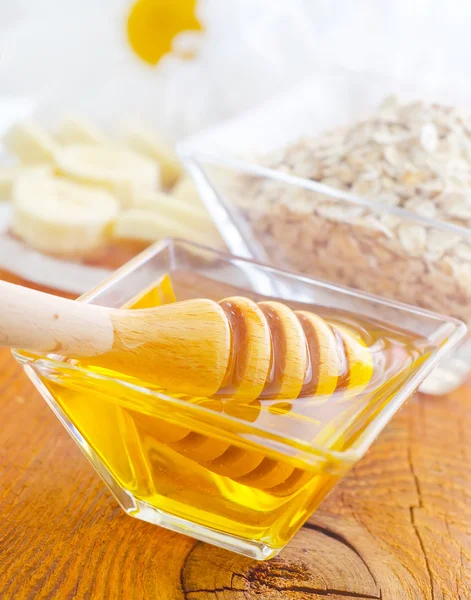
[414,156]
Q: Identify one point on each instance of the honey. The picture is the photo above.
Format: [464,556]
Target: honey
[251,464]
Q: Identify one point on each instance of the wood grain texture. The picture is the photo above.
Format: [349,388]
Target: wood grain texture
[399,527]
[39,322]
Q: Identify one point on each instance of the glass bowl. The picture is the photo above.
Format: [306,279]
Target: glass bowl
[309,228]
[243,474]
[420,254]
[315,228]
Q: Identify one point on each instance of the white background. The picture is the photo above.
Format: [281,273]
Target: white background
[59,55]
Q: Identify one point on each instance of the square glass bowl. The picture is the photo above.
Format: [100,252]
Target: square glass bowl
[311,228]
[243,473]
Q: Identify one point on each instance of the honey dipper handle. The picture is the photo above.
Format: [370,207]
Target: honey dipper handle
[40,322]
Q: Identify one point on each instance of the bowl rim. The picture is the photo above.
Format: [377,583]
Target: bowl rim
[308,452]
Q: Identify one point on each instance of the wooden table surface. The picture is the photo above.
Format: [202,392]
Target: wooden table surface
[399,527]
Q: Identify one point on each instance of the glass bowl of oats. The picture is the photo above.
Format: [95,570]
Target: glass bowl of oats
[371,192]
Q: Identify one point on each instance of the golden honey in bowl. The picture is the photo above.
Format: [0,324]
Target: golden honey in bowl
[236,463]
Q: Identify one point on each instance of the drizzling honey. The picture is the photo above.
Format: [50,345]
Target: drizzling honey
[153,25]
[321,385]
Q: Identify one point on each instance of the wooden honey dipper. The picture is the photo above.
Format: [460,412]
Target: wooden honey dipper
[284,354]
[200,347]
[235,348]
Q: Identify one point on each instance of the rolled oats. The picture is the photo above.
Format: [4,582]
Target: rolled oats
[425,208]
[463,251]
[429,137]
[414,156]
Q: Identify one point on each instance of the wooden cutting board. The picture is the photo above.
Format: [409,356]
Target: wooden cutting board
[399,527]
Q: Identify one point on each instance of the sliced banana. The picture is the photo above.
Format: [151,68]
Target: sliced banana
[141,140]
[30,143]
[114,169]
[77,130]
[8,175]
[169,206]
[149,226]
[61,217]
[186,191]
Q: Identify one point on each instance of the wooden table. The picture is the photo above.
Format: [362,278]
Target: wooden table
[399,527]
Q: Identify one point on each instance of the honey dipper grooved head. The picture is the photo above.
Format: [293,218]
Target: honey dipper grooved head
[325,361]
[250,358]
[359,358]
[289,351]
[279,353]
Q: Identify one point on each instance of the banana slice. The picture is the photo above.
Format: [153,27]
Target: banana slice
[142,141]
[186,191]
[8,175]
[77,130]
[148,226]
[60,217]
[112,168]
[173,208]
[30,143]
